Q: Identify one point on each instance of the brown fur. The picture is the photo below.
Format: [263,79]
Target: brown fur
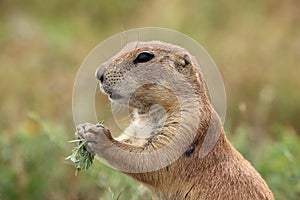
[221,174]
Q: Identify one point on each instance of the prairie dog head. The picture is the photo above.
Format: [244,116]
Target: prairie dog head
[144,74]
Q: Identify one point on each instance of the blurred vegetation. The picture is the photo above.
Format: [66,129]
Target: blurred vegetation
[255,44]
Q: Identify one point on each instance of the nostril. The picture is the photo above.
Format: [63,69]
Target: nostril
[99,75]
[101,78]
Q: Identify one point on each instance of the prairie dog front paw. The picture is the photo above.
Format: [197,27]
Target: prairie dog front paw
[97,136]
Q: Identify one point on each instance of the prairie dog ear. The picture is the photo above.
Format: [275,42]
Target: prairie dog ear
[186,59]
[184,64]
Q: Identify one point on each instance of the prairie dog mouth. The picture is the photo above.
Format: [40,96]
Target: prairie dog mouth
[113,95]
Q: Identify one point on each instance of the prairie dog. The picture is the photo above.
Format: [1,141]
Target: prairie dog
[172,122]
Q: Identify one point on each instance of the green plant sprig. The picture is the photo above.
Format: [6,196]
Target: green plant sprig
[80,156]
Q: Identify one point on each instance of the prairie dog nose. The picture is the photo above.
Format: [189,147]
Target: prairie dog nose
[99,74]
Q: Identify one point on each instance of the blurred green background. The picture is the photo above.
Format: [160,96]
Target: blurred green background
[255,44]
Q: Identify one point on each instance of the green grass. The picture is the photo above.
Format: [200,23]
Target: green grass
[33,166]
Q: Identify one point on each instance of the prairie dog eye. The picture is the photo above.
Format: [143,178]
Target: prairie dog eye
[143,57]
